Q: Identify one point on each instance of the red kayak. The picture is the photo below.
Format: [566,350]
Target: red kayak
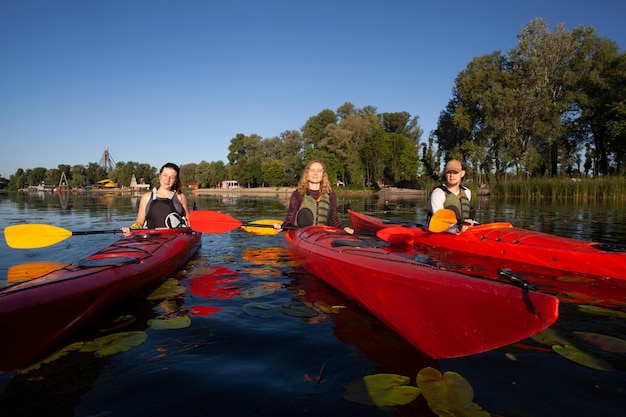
[442,313]
[37,315]
[505,242]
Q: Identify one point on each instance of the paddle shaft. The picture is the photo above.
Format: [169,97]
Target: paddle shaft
[95,232]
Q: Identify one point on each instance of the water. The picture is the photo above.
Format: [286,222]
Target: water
[229,362]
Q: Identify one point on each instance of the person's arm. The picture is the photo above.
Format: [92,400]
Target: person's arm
[183,201]
[334,219]
[436,200]
[141,215]
[294,204]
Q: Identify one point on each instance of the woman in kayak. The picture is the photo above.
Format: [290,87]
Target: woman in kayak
[452,195]
[313,202]
[165,206]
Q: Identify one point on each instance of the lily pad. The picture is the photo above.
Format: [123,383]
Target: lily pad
[263,311]
[53,357]
[327,308]
[163,323]
[381,390]
[449,394]
[582,358]
[550,337]
[118,323]
[114,343]
[298,310]
[602,311]
[602,342]
[259,291]
[169,289]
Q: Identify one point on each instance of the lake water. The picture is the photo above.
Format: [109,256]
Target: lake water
[233,363]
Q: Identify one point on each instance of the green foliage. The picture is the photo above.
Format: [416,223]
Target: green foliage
[273,173]
[600,188]
[532,110]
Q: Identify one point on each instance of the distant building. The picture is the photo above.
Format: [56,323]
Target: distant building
[138,186]
[229,184]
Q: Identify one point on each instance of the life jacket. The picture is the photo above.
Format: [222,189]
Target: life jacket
[313,211]
[459,204]
[164,212]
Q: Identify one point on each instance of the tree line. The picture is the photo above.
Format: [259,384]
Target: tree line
[555,105]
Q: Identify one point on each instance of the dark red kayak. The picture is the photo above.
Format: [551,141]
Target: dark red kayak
[505,242]
[442,313]
[37,315]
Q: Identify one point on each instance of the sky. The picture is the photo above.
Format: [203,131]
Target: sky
[161,81]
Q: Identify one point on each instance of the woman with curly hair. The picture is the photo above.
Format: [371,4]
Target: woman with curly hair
[313,202]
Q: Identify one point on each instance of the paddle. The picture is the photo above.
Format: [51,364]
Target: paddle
[442,220]
[208,221]
[218,222]
[32,236]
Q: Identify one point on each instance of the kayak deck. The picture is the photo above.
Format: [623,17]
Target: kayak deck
[503,241]
[38,314]
[443,314]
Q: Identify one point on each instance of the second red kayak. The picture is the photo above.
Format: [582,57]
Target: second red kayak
[442,313]
[503,241]
[37,315]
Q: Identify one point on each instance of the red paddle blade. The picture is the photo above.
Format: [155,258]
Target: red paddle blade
[207,221]
[396,235]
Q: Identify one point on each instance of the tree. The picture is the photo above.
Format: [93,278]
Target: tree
[273,173]
[314,130]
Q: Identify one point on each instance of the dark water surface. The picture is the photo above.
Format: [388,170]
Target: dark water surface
[232,363]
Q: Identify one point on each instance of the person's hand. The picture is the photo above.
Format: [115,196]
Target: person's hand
[278,227]
[126,231]
[348,230]
[467,223]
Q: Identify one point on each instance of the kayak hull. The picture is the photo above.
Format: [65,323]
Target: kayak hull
[505,242]
[442,313]
[39,314]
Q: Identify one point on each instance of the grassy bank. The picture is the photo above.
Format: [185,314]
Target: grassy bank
[604,188]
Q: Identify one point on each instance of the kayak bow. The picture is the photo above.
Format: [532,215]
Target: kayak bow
[442,313]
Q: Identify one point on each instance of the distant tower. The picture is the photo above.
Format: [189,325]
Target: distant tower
[106,161]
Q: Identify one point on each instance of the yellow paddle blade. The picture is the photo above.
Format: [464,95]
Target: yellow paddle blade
[31,236]
[263,227]
[441,220]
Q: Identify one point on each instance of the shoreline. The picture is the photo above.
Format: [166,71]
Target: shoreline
[282,191]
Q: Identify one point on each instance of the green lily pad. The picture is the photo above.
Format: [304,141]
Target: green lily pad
[163,323]
[327,308]
[118,323]
[169,289]
[582,358]
[263,311]
[114,343]
[602,342]
[449,394]
[381,390]
[602,311]
[550,337]
[298,310]
[266,288]
[52,357]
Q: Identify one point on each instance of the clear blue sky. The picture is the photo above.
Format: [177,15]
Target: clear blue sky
[176,80]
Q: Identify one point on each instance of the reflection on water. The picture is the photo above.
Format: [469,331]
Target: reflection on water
[261,361]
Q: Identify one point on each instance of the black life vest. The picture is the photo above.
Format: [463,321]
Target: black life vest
[164,212]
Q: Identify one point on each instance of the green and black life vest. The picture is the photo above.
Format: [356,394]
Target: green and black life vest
[459,204]
[313,211]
